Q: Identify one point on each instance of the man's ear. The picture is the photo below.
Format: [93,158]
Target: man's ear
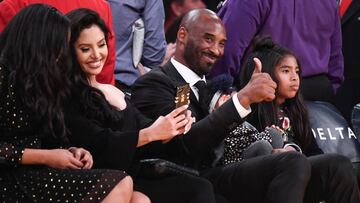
[176,8]
[182,35]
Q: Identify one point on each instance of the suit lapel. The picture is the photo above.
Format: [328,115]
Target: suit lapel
[173,74]
[353,8]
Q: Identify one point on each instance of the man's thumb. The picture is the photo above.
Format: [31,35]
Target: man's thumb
[258,65]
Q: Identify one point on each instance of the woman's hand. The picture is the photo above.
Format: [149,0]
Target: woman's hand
[167,127]
[82,155]
[189,124]
[62,158]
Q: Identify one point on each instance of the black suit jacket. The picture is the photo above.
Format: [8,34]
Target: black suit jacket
[154,95]
[349,93]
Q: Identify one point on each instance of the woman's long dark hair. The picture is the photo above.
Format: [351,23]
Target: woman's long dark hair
[271,54]
[34,50]
[93,102]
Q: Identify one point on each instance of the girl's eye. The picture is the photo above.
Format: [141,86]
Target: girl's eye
[285,70]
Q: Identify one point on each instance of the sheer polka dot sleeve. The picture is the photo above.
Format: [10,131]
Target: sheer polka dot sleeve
[11,154]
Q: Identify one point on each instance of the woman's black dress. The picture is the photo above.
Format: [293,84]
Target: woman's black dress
[20,129]
[113,142]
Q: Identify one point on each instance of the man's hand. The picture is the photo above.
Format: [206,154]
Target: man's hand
[260,87]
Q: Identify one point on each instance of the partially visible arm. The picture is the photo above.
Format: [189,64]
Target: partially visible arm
[154,41]
[166,127]
[109,148]
[34,156]
[336,61]
[313,148]
[55,158]
[12,154]
[107,74]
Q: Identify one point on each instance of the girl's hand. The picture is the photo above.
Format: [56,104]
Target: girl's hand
[62,158]
[82,155]
[282,150]
[277,128]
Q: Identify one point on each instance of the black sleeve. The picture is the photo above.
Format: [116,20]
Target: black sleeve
[153,94]
[10,151]
[313,148]
[141,120]
[109,148]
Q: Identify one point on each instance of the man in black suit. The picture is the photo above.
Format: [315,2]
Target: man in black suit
[200,42]
[348,95]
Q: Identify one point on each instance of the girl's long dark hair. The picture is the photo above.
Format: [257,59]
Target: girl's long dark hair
[271,54]
[34,50]
[93,102]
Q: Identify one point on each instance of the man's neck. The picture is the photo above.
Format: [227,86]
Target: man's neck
[188,75]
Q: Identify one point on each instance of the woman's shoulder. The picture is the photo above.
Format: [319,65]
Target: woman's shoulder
[109,89]
[113,95]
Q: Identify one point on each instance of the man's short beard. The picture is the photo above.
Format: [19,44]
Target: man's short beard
[191,60]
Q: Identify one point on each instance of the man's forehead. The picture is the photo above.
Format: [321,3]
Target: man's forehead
[211,28]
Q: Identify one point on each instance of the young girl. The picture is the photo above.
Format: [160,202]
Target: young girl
[287,111]
[111,128]
[331,174]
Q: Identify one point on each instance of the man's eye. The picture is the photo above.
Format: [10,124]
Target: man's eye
[222,45]
[208,39]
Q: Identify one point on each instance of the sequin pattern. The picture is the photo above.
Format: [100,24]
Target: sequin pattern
[240,139]
[20,183]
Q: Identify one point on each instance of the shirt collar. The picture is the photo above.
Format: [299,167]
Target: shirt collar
[189,76]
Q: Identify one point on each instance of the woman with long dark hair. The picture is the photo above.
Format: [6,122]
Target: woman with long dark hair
[332,178]
[39,164]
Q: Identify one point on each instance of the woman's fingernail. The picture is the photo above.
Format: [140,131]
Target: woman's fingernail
[186,130]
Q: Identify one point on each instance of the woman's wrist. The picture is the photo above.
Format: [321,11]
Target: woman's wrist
[145,137]
[35,156]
